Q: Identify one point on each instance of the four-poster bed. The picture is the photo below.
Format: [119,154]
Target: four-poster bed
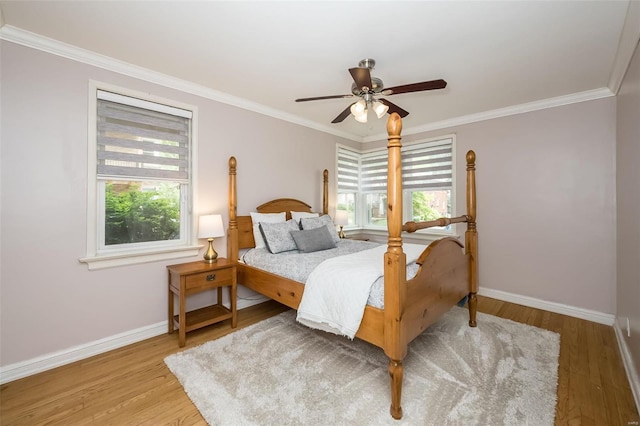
[447,272]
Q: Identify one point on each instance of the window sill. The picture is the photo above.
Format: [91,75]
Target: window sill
[421,237]
[133,258]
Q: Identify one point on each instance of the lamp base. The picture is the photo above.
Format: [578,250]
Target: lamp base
[210,256]
[341,233]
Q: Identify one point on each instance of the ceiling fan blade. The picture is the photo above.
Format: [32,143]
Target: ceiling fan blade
[394,108]
[318,98]
[344,114]
[362,77]
[415,87]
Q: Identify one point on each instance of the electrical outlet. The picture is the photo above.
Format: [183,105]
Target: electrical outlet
[628,328]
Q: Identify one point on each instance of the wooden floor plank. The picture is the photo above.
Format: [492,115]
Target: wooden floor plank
[133,386]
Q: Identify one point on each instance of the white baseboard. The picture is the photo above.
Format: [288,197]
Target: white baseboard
[52,360]
[56,359]
[558,308]
[76,353]
[632,374]
[586,314]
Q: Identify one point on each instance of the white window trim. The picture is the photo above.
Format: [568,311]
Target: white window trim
[95,260]
[429,234]
[357,193]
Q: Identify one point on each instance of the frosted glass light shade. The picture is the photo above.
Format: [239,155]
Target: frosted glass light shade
[380,108]
[210,226]
[362,118]
[359,111]
[359,107]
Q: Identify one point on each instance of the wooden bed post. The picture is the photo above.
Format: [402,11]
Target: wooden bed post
[232,232]
[325,191]
[395,289]
[471,237]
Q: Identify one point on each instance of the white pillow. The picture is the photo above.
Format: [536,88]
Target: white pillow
[299,215]
[256,218]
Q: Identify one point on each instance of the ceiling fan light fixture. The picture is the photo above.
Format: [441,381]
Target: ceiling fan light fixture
[380,108]
[359,107]
[359,111]
[367,87]
[362,117]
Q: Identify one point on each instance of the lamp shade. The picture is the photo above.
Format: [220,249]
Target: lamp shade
[362,118]
[359,107]
[210,226]
[342,218]
[380,108]
[359,111]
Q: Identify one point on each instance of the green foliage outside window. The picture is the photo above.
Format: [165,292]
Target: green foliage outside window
[138,212]
[422,210]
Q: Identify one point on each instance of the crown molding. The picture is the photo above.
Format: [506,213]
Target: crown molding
[55,47]
[626,46]
[58,48]
[588,95]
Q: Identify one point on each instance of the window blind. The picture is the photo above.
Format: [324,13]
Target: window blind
[136,142]
[425,166]
[373,171]
[348,170]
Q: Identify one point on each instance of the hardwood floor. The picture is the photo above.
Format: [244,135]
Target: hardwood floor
[132,385]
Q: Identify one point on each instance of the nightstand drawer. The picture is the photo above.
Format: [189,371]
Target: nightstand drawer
[209,278]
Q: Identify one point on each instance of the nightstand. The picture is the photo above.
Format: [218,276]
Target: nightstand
[190,278]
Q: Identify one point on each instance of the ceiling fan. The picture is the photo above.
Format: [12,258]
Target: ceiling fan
[368,89]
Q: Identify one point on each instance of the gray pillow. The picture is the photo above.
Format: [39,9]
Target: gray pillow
[311,240]
[277,236]
[316,222]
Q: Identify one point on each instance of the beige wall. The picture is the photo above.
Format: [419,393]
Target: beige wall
[628,199]
[546,206]
[546,202]
[49,300]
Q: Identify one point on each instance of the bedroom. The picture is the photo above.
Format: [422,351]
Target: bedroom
[72,313]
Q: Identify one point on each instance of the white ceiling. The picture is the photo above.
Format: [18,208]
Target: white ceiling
[263,55]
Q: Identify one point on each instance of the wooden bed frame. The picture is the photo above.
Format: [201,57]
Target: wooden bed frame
[447,274]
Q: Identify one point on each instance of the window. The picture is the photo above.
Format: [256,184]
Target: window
[373,187]
[427,184]
[427,181]
[140,180]
[348,181]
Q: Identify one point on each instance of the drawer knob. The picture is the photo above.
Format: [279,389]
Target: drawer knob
[211,277]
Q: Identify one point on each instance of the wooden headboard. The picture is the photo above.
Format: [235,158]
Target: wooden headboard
[284,205]
[243,226]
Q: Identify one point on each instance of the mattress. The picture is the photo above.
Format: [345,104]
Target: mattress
[297,266]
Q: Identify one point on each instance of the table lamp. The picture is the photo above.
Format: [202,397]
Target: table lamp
[342,218]
[210,226]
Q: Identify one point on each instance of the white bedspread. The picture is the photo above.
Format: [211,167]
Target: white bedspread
[336,292]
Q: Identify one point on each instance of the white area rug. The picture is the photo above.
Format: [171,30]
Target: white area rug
[280,372]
